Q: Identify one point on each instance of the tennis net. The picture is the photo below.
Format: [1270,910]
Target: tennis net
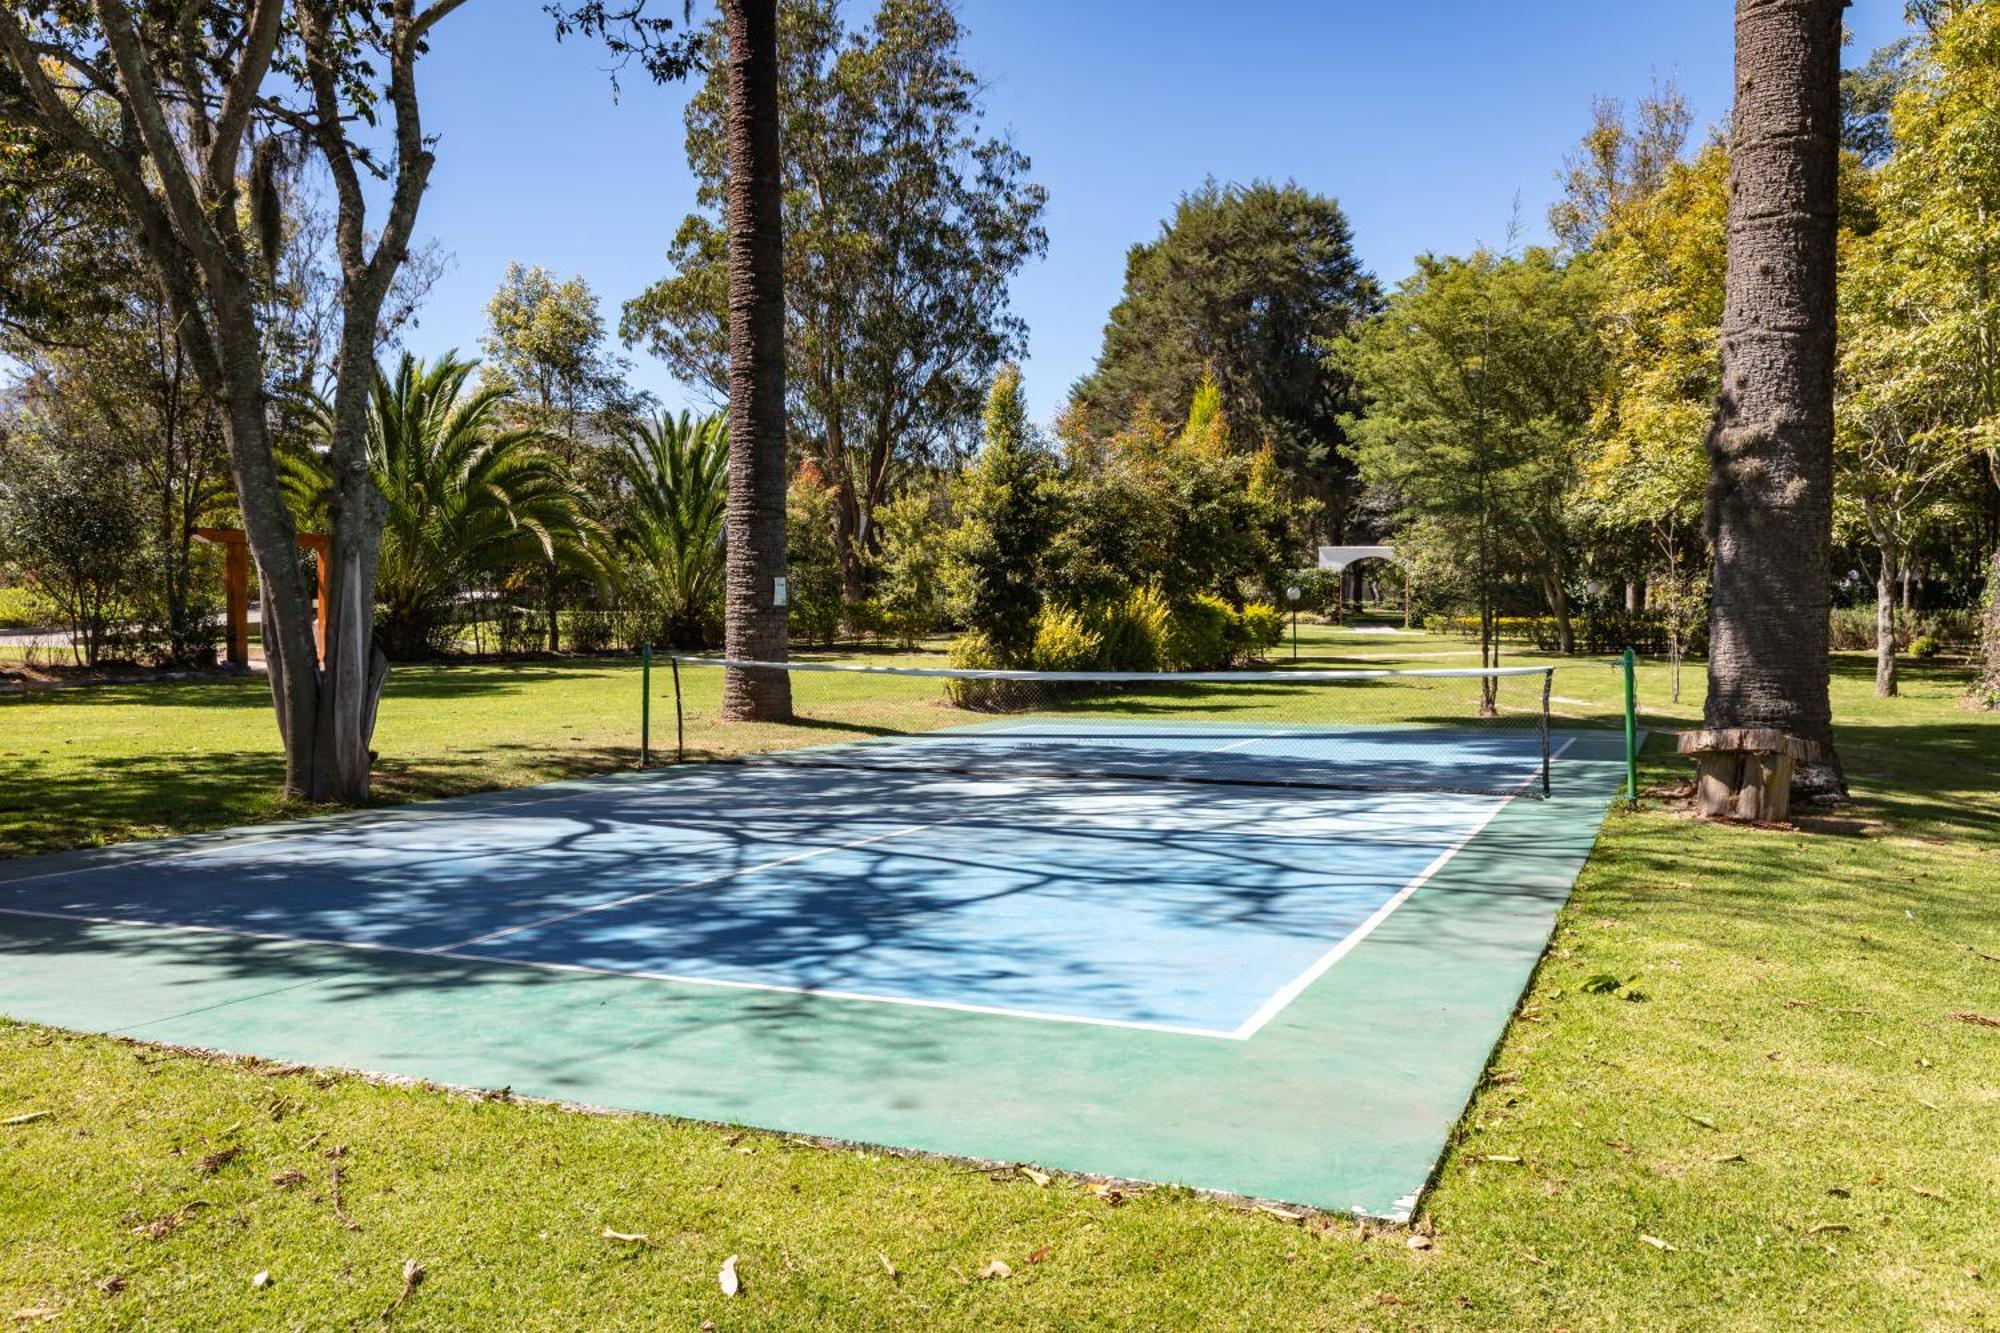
[1483,731]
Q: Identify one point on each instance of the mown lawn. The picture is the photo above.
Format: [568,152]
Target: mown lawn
[1794,1127]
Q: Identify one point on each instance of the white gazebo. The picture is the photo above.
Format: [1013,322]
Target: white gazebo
[1341,558]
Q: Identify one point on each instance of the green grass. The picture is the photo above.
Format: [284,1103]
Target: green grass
[1792,1108]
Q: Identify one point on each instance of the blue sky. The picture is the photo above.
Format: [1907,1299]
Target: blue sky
[1425,118]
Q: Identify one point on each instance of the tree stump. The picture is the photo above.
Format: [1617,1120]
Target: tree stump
[1745,772]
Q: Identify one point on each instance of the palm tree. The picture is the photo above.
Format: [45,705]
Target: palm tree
[754,620]
[678,471]
[1770,496]
[468,498]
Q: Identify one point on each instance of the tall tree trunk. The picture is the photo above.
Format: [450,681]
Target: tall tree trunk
[753,620]
[1770,494]
[1885,624]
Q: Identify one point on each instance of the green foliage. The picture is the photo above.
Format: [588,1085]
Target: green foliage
[909,572]
[70,522]
[1063,642]
[1131,630]
[471,502]
[1198,634]
[676,470]
[1256,629]
[1009,508]
[546,346]
[812,564]
[1925,646]
[1319,589]
[24,608]
[1243,283]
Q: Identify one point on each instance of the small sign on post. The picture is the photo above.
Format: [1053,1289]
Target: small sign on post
[779,591]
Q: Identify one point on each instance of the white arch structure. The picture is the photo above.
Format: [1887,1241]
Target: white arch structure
[1340,558]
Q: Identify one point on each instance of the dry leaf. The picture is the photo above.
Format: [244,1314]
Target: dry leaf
[887,1266]
[26,1118]
[994,1269]
[1419,1241]
[218,1159]
[1500,1160]
[1983,1020]
[37,1314]
[112,1285]
[413,1273]
[1282,1214]
[1729,1157]
[1657,1243]
[1041,1178]
[284,1180]
[1828,1229]
[633,1237]
[262,1279]
[1039,1253]
[731,1283]
[1939,1195]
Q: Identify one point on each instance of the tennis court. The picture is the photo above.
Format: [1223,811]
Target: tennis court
[1161,948]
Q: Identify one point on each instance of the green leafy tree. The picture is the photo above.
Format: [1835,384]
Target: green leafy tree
[1009,509]
[1619,161]
[1480,379]
[546,347]
[904,224]
[70,522]
[470,499]
[1245,284]
[910,569]
[676,470]
[812,558]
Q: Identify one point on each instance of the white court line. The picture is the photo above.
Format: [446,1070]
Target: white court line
[1297,985]
[794,858]
[586,969]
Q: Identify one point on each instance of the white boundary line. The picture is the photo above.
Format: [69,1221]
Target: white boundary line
[1296,987]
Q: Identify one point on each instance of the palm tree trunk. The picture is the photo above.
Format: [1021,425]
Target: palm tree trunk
[1770,495]
[753,619]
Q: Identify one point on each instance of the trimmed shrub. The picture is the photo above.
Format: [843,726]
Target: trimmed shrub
[974,652]
[1198,634]
[1925,645]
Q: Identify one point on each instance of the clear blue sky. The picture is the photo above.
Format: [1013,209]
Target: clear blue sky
[1425,118]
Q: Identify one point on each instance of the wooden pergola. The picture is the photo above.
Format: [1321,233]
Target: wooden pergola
[235,546]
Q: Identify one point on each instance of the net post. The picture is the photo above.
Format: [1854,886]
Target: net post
[645,705]
[1548,684]
[680,722]
[1630,662]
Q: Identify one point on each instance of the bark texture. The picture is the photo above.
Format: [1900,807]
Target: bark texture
[1770,495]
[753,622]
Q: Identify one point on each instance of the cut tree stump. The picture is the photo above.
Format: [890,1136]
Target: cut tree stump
[1745,772]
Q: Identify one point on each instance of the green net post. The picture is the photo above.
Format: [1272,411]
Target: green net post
[645,705]
[680,713]
[1631,665]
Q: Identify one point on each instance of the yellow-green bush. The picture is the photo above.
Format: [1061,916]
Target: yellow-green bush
[1259,627]
[1132,631]
[1198,634]
[1063,642]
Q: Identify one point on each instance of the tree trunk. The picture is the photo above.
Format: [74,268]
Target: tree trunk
[1558,597]
[1770,495]
[1635,595]
[753,620]
[1885,625]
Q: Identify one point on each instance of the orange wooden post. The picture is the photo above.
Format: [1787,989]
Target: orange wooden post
[322,548]
[236,583]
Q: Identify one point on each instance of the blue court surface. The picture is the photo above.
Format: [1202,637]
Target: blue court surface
[859,952]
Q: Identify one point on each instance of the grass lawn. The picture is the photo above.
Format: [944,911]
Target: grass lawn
[1795,1126]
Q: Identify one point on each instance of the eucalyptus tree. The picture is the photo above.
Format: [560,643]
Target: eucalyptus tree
[1770,494]
[676,472]
[904,225]
[184,114]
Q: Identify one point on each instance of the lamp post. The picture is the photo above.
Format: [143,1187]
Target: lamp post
[1292,596]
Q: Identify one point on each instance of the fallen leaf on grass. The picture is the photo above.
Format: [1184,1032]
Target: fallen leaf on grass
[1039,1253]
[630,1237]
[26,1118]
[1983,1020]
[160,1226]
[1703,1121]
[37,1314]
[1040,1178]
[218,1159]
[262,1278]
[887,1266]
[994,1269]
[284,1180]
[1501,1159]
[1282,1214]
[1828,1229]
[1418,1241]
[413,1274]
[1728,1157]
[110,1286]
[1939,1195]
[731,1283]
[1111,1194]
[1657,1243]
